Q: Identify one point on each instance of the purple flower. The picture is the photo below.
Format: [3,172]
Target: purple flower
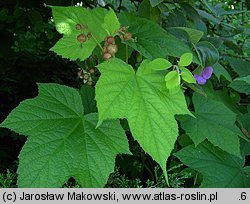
[206,74]
[200,79]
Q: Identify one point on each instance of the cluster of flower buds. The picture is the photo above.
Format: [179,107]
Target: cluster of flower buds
[86,75]
[85,35]
[124,34]
[110,48]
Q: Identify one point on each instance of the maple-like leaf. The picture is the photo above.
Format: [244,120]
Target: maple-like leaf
[62,142]
[142,98]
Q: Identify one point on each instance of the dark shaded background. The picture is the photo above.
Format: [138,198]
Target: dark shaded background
[26,35]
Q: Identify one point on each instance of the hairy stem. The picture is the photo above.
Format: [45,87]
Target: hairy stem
[99,45]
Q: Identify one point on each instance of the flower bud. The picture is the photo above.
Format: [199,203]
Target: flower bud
[106,56]
[91,70]
[127,36]
[89,35]
[81,38]
[112,48]
[78,26]
[110,40]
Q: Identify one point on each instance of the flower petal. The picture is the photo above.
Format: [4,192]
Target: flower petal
[207,72]
[200,79]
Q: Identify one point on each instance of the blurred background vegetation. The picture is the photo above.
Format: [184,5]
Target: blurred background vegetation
[27,33]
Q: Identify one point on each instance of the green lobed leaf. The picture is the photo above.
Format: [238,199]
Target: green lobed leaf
[241,84]
[111,23]
[143,100]
[187,76]
[62,143]
[186,59]
[222,97]
[69,47]
[151,40]
[66,19]
[219,169]
[88,99]
[215,122]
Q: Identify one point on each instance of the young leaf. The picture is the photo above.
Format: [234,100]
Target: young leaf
[174,89]
[186,59]
[172,80]
[143,100]
[187,76]
[62,143]
[111,23]
[215,122]
[66,19]
[159,64]
[219,169]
